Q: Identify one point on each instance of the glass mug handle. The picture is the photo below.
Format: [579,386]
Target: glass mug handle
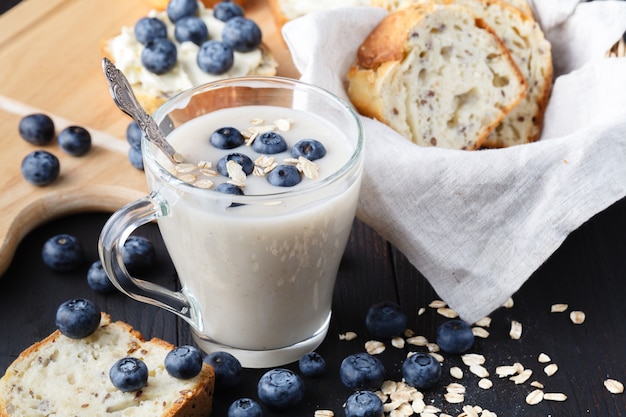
[114,233]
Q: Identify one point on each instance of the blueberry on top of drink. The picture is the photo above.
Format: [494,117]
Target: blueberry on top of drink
[262,150]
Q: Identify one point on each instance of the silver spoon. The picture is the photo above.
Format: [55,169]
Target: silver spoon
[126,101]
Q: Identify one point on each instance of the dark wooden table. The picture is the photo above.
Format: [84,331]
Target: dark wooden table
[587,273]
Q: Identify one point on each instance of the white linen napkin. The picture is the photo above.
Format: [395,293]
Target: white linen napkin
[478,224]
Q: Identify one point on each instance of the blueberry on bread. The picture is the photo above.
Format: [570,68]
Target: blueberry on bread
[155,79]
[438,75]
[63,376]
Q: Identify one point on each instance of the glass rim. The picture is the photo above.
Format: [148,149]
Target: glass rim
[171,104]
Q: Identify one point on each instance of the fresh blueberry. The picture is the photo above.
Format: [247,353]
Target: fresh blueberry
[227,369]
[280,388]
[245,407]
[228,188]
[40,167]
[148,29]
[364,404]
[362,371]
[138,254]
[311,149]
[183,362]
[177,9]
[269,143]
[385,320]
[242,34]
[133,134]
[135,157]
[129,374]
[77,318]
[421,370]
[312,364]
[226,10]
[284,176]
[455,336]
[215,57]
[37,129]
[192,29]
[75,140]
[226,138]
[243,160]
[98,279]
[159,56]
[62,253]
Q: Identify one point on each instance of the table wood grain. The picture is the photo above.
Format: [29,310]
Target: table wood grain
[587,272]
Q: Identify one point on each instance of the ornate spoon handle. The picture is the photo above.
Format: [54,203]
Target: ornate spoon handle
[125,99]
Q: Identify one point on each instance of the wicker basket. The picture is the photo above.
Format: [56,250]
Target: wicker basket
[618,50]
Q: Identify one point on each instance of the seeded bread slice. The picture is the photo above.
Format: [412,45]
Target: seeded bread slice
[532,53]
[391,5]
[61,376]
[437,75]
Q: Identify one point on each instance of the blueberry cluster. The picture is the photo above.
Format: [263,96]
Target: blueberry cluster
[41,167]
[159,54]
[267,143]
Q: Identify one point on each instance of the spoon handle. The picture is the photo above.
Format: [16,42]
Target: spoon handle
[123,96]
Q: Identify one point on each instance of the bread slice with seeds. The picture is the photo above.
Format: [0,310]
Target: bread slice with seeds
[436,74]
[60,376]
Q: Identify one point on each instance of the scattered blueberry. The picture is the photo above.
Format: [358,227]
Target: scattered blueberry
[311,149]
[363,404]
[269,143]
[284,176]
[242,34]
[40,167]
[62,253]
[215,57]
[362,371]
[77,318]
[226,138]
[138,254]
[227,369]
[455,336]
[177,9]
[280,388]
[148,29]
[421,370]
[245,407]
[37,129]
[243,160]
[312,364]
[159,56]
[98,279]
[129,374]
[133,134]
[226,10]
[385,320]
[75,140]
[135,157]
[228,188]
[192,29]
[183,362]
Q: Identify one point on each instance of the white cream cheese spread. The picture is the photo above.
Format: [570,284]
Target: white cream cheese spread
[125,52]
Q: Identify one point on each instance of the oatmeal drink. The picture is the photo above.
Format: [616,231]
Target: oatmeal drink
[255,218]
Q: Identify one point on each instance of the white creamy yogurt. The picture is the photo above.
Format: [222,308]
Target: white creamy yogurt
[262,274]
[125,52]
[295,8]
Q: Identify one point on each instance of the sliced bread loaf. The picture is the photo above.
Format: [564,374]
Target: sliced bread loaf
[60,376]
[437,75]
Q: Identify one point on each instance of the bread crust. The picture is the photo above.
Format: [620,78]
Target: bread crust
[196,402]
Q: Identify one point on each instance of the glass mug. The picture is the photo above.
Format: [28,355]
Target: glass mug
[257,272]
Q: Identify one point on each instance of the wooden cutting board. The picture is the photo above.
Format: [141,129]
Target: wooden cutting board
[51,63]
